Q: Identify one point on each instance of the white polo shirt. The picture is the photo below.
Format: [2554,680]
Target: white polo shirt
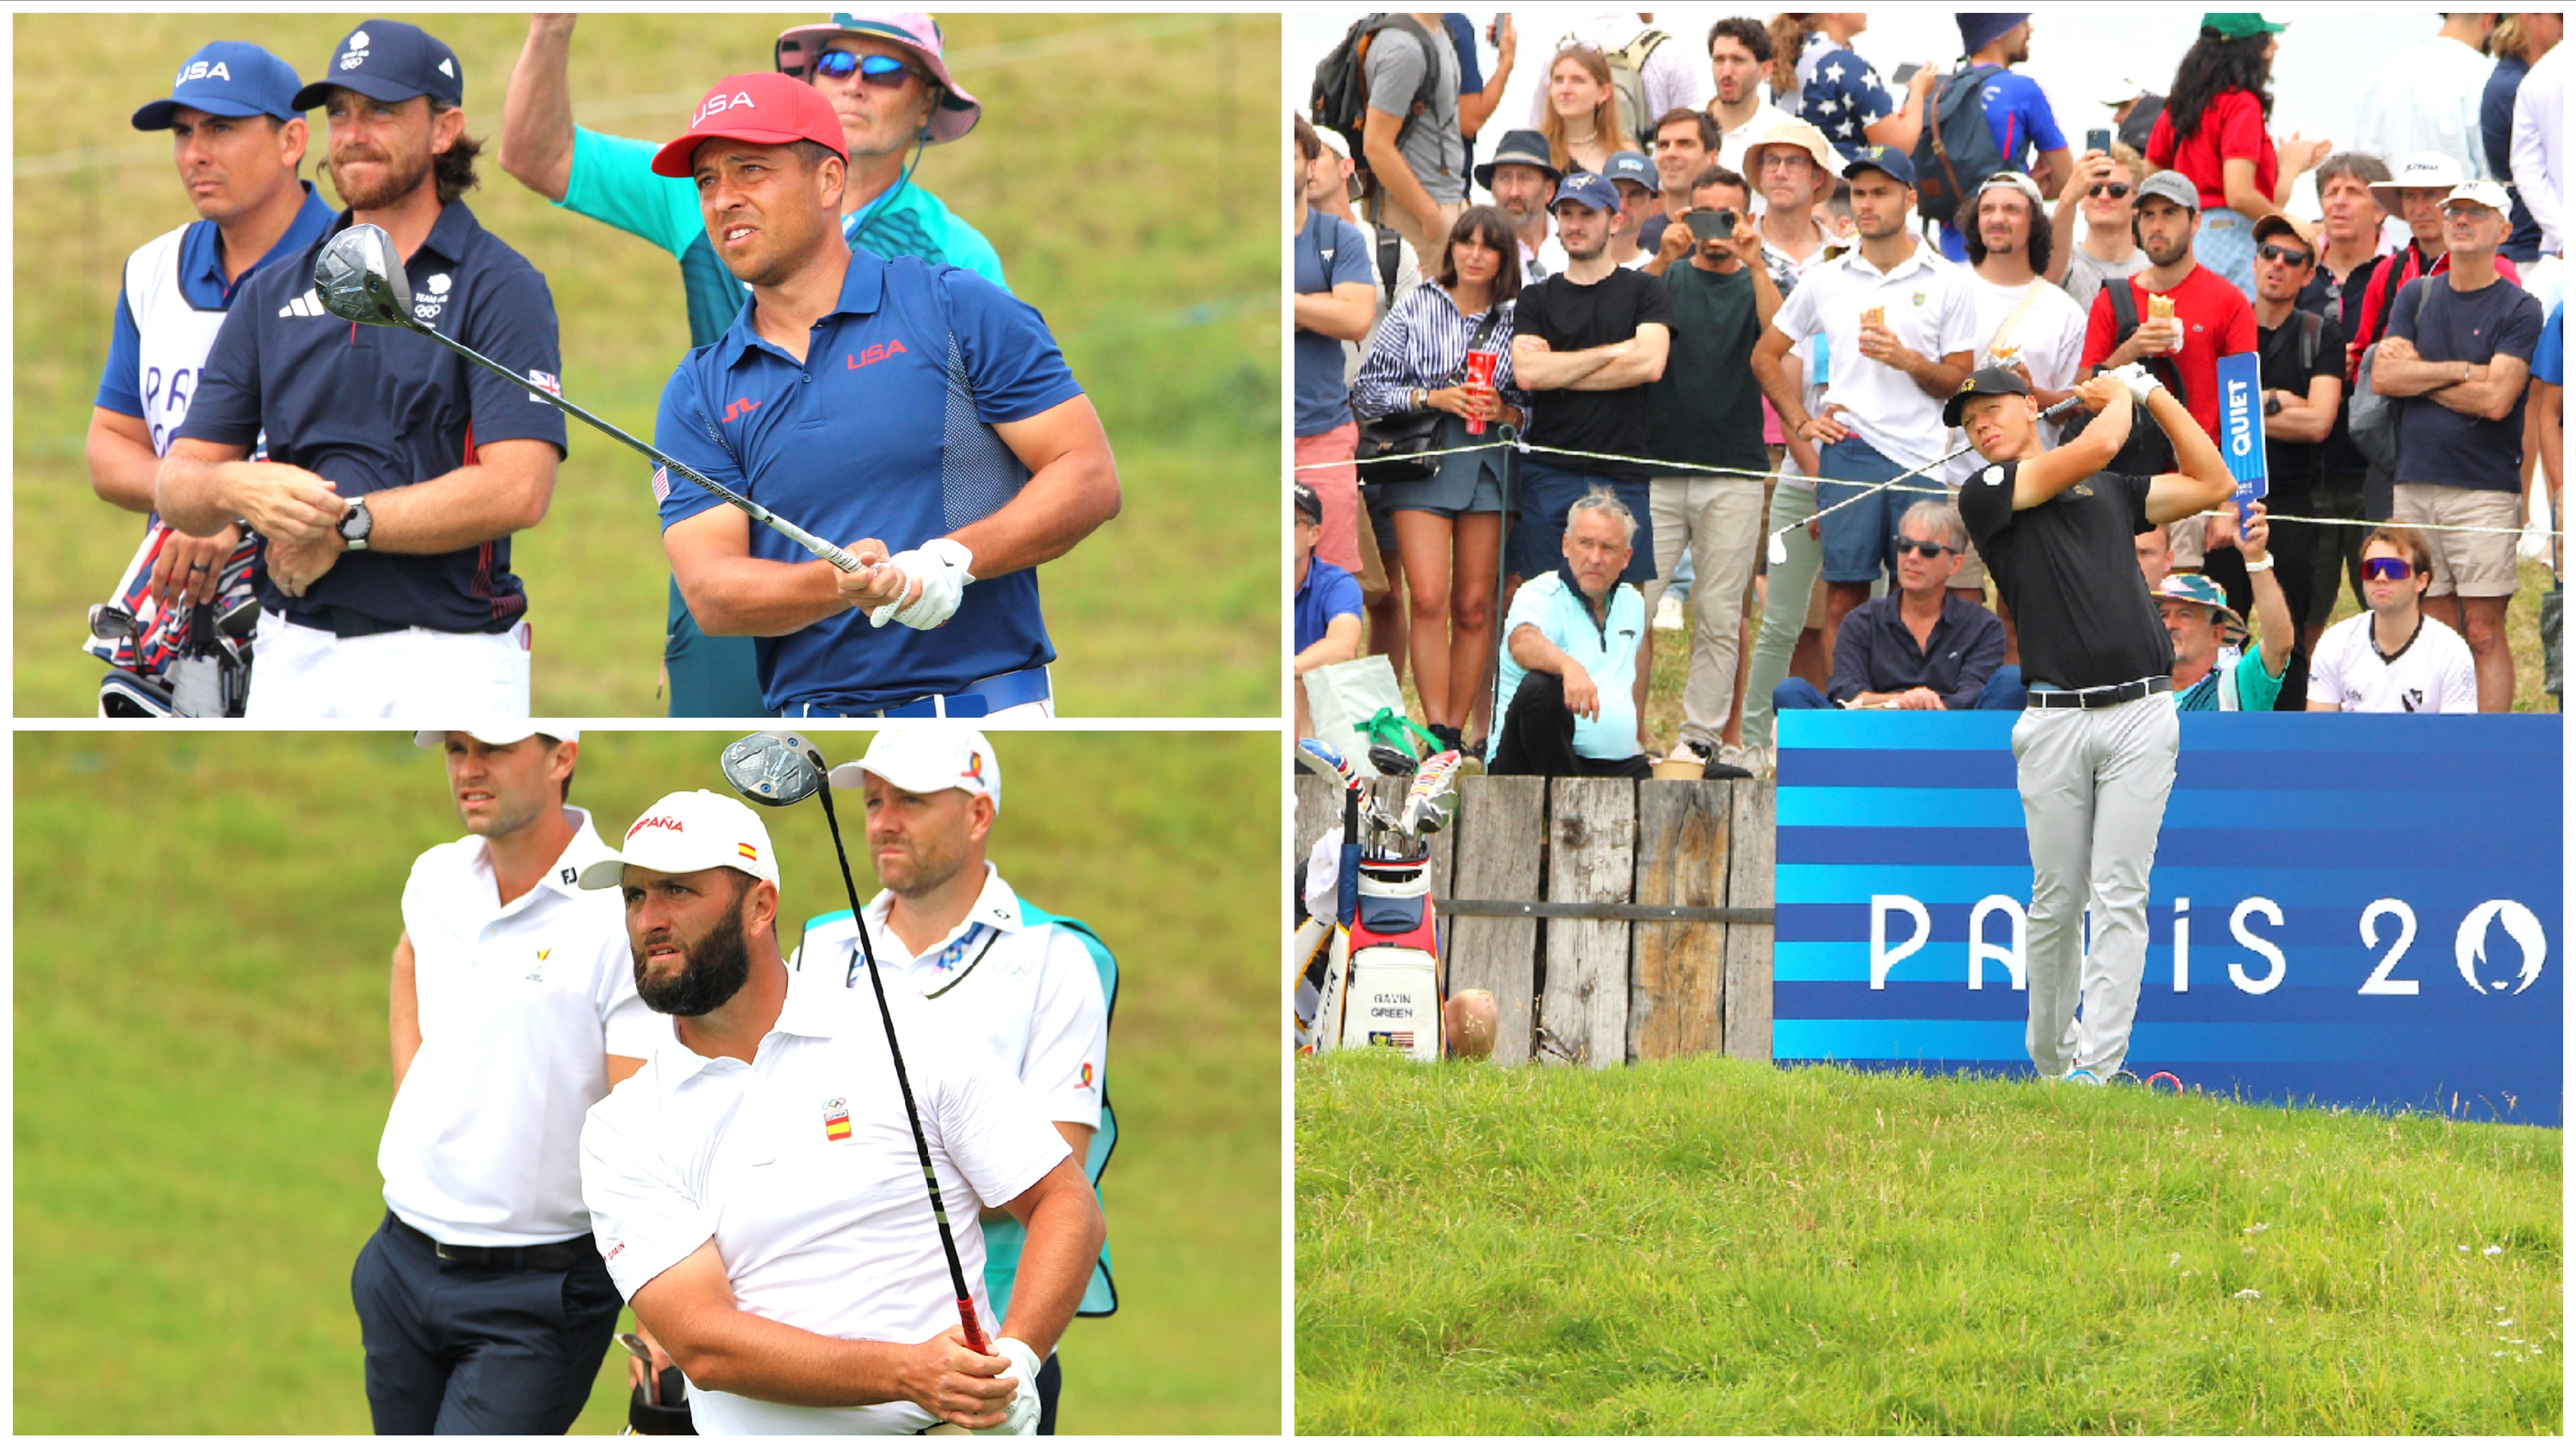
[1029,994]
[520,1007]
[2431,675]
[801,1168]
[1926,303]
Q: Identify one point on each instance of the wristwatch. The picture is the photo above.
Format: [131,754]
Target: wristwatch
[2271,407]
[355,524]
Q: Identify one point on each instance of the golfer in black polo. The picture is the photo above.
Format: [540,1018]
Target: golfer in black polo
[2096,743]
[396,470]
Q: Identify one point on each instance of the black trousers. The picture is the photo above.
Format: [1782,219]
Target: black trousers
[453,1349]
[1536,736]
[1050,1389]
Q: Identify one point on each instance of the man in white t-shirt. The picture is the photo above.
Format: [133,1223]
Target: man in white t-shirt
[482,1301]
[757,1188]
[2391,659]
[2021,324]
[1031,988]
[2426,96]
[1739,56]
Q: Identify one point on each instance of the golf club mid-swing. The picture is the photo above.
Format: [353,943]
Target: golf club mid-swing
[358,278]
[776,768]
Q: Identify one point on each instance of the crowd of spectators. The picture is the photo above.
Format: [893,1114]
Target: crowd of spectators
[1720,318]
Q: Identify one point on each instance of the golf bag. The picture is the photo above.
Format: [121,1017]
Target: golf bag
[669,1416]
[164,665]
[1370,976]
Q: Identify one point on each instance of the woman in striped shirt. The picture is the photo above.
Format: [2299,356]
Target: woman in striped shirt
[1449,527]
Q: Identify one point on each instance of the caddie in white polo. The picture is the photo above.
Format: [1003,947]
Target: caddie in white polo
[1033,989]
[756,1187]
[483,1303]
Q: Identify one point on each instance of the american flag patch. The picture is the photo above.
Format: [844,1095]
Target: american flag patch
[1400,1040]
[661,485]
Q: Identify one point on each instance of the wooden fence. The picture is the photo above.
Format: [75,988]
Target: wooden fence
[1613,920]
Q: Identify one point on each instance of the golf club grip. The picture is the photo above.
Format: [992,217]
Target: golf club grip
[830,553]
[974,1328]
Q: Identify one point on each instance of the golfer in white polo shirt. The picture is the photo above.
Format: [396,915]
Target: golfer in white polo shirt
[482,1302]
[756,1189]
[1031,988]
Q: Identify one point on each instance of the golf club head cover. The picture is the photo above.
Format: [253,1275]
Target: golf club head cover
[1023,1415]
[941,567]
[2138,381]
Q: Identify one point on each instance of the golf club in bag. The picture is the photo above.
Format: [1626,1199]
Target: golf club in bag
[661,1404]
[777,769]
[1380,981]
[358,278]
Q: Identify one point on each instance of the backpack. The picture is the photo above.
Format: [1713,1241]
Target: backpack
[1390,260]
[1339,101]
[1628,78]
[2373,419]
[2148,451]
[1957,151]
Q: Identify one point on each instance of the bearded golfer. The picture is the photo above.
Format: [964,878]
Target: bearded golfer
[2096,743]
[1032,989]
[913,408]
[756,1188]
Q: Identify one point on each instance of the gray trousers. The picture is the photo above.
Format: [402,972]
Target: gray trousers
[2093,790]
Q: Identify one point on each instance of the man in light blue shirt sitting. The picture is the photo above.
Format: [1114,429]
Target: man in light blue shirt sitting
[1569,666]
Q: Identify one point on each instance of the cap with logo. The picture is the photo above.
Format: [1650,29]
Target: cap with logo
[2238,24]
[767,109]
[2201,589]
[2425,171]
[924,758]
[956,113]
[2489,194]
[1984,382]
[1882,158]
[2172,186]
[389,61]
[226,78]
[1585,189]
[1519,148]
[1310,504]
[501,735]
[1632,166]
[688,831]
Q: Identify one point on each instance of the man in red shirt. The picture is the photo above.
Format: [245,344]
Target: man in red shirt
[2209,320]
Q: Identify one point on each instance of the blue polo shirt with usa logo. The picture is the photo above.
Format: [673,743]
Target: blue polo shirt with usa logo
[885,430]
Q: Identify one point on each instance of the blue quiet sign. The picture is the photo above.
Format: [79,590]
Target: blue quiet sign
[2349,909]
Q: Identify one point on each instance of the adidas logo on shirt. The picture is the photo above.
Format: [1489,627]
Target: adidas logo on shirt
[308,305]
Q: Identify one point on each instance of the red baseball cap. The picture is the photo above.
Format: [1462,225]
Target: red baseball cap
[768,108]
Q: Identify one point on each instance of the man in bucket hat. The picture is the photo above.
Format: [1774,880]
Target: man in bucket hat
[2213,668]
[886,76]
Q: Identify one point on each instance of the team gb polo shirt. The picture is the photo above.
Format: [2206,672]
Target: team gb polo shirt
[800,1166]
[885,430]
[371,408]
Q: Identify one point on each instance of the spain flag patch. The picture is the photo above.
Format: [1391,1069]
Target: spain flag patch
[749,851]
[836,1119]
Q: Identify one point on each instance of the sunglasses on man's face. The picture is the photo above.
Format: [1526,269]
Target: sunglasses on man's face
[2271,253]
[2112,189]
[875,70]
[2386,568]
[1924,546]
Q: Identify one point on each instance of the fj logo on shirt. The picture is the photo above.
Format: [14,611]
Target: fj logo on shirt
[570,875]
[874,354]
[836,1120]
[741,406]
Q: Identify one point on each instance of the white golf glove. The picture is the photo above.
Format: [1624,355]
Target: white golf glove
[941,567]
[2138,380]
[1023,1417]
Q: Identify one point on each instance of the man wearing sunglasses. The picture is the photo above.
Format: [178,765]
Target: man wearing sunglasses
[2104,192]
[2300,355]
[1918,647]
[2391,658]
[886,75]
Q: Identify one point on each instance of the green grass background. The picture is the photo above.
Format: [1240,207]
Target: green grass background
[1721,1247]
[202,1070]
[1125,169]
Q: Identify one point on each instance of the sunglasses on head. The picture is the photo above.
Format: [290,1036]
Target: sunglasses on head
[2386,568]
[2270,253]
[2112,189]
[1923,546]
[876,70]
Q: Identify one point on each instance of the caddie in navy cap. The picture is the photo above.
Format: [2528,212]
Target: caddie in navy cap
[1585,189]
[1882,158]
[226,78]
[389,61]
[1984,382]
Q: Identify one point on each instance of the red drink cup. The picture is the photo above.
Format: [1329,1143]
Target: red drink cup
[1480,378]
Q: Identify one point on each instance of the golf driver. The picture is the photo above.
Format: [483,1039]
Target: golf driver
[359,279]
[778,769]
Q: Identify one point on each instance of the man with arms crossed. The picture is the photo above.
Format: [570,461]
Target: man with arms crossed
[238,141]
[1033,989]
[875,401]
[757,1185]
[396,470]
[886,75]
[482,1301]
[2096,743]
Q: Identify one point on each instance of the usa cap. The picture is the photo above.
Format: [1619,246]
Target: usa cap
[226,78]
[767,109]
[927,757]
[687,831]
[389,61]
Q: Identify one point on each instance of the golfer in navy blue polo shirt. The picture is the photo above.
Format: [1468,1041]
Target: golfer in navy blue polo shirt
[396,470]
[913,408]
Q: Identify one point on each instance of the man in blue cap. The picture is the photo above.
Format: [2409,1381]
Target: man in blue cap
[2017,112]
[886,74]
[397,471]
[1641,199]
[238,142]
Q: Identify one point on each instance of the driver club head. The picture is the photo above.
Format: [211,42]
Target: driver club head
[359,278]
[773,767]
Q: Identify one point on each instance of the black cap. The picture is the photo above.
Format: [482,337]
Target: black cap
[1310,504]
[1984,382]
[389,61]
